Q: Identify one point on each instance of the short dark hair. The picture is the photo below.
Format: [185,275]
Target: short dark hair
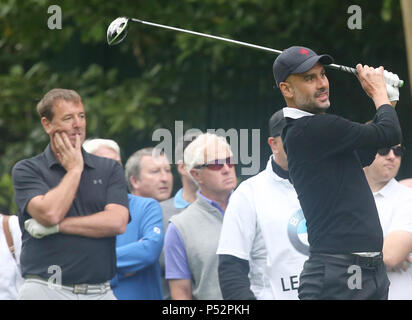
[45,105]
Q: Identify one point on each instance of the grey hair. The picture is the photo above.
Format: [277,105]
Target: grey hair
[183,143]
[92,145]
[133,164]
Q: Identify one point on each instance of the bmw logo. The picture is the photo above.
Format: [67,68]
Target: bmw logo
[297,232]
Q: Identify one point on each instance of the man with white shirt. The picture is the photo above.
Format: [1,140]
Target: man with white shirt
[10,248]
[394,203]
[326,154]
[406,182]
[263,242]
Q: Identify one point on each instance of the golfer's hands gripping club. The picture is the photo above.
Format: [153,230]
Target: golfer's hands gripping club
[392,88]
[39,231]
[373,83]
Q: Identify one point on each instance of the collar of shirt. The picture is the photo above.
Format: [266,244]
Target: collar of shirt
[295,113]
[51,159]
[178,200]
[389,190]
[277,169]
[275,175]
[213,203]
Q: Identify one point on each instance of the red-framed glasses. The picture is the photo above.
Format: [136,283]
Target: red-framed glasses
[217,164]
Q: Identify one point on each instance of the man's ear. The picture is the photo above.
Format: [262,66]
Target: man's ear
[286,89]
[271,142]
[135,183]
[195,175]
[47,125]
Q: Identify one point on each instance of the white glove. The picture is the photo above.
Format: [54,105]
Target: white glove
[37,230]
[392,81]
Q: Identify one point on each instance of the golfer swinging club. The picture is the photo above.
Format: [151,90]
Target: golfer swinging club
[326,154]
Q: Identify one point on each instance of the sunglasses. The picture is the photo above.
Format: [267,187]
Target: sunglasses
[398,151]
[217,164]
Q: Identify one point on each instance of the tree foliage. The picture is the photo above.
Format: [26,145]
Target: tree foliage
[156,77]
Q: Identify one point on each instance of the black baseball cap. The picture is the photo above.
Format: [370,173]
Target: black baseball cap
[276,123]
[295,60]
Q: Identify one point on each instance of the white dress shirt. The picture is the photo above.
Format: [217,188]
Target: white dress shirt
[394,203]
[10,276]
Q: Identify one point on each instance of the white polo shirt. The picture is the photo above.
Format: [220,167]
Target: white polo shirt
[10,276]
[394,203]
[264,224]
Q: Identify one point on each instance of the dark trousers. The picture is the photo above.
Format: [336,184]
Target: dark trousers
[326,277]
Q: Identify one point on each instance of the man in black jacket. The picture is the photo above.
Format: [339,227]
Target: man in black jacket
[326,154]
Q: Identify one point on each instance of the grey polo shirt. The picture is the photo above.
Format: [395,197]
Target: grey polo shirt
[81,259]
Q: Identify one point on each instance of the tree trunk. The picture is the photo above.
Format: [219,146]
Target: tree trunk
[406,6]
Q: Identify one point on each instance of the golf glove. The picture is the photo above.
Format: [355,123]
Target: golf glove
[37,230]
[392,81]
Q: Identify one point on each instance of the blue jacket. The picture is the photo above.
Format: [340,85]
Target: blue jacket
[138,251]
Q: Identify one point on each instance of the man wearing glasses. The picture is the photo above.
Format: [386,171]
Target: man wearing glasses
[192,236]
[394,204]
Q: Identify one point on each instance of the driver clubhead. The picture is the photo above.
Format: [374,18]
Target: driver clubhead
[117,31]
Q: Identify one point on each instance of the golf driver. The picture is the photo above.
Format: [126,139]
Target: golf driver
[117,31]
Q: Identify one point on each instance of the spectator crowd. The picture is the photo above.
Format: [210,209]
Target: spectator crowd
[92,226]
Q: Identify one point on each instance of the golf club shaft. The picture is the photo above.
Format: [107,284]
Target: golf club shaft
[208,36]
[332,66]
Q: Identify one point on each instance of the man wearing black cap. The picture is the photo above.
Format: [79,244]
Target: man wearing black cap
[262,244]
[326,154]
